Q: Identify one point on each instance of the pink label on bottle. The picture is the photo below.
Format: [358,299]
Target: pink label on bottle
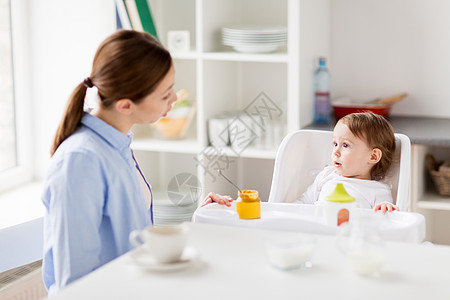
[322,96]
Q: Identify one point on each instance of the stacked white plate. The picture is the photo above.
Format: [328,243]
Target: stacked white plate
[165,211]
[254,38]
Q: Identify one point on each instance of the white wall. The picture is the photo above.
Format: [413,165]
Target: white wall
[378,48]
[64,36]
[384,47]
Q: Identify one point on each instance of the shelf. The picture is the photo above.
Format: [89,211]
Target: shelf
[184,55]
[172,146]
[269,86]
[235,56]
[434,201]
[278,57]
[247,153]
[191,146]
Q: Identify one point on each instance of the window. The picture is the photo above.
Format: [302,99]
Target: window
[15,116]
[8,146]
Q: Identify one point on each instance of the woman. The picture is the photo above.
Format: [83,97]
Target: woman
[94,192]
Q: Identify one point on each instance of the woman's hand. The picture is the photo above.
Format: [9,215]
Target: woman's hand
[212,197]
[385,206]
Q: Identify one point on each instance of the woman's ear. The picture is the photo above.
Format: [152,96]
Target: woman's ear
[375,156]
[124,106]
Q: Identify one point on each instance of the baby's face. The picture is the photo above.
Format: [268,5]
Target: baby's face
[351,155]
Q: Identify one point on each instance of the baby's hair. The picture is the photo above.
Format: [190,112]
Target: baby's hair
[378,133]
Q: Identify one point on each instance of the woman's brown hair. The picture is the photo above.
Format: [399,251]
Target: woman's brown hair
[128,64]
[378,133]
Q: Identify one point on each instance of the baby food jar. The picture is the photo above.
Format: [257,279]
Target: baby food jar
[248,204]
[339,206]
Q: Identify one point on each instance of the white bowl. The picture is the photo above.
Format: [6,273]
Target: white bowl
[290,253]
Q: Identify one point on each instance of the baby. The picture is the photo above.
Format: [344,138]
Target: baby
[363,149]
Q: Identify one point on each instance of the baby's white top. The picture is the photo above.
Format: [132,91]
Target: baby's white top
[368,193]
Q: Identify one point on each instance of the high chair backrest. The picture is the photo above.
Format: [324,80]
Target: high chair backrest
[304,153]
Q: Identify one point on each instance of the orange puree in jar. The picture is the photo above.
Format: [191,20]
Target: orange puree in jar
[248,204]
[249,195]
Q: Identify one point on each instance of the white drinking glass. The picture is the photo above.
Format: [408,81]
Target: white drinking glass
[363,246]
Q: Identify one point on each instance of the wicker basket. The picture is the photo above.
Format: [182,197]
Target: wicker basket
[441,179]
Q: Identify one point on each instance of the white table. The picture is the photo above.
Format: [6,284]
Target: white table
[233,265]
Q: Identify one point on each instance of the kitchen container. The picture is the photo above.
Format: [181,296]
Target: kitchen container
[343,109]
[177,121]
[380,106]
[248,204]
[440,176]
[218,133]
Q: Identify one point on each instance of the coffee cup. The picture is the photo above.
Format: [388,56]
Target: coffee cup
[165,244]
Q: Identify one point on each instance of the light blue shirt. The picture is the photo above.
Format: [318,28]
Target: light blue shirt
[93,200]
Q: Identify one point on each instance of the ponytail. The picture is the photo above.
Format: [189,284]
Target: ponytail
[72,116]
[128,64]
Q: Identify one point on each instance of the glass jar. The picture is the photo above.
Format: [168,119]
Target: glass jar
[248,204]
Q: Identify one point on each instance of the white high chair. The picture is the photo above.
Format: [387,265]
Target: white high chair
[304,153]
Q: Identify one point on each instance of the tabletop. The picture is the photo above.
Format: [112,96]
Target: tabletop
[232,264]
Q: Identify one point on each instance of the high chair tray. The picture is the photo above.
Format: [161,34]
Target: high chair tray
[394,226]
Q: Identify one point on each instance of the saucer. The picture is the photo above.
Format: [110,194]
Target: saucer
[142,259]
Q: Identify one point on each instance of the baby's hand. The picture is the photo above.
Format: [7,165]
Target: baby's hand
[385,206]
[212,197]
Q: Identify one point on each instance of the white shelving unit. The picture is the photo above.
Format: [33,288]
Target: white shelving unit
[222,80]
[425,198]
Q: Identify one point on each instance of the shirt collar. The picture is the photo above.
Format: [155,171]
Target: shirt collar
[113,136]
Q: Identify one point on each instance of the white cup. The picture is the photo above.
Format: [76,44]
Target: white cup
[218,132]
[165,244]
[333,212]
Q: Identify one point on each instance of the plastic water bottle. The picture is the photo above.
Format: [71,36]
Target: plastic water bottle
[322,106]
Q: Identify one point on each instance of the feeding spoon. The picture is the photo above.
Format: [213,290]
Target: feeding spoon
[223,175]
